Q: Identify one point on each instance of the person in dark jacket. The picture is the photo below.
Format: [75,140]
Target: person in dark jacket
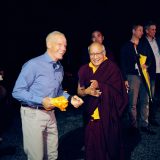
[130,56]
[151,48]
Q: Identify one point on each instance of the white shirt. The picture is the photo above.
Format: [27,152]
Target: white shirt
[156,51]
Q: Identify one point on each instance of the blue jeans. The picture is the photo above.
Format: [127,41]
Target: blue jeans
[138,95]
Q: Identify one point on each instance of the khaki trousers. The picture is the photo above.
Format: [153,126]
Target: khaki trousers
[40,135]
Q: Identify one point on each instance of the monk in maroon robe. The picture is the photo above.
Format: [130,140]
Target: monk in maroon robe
[102,85]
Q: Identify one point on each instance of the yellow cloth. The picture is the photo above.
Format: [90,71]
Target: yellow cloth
[60,102]
[145,73]
[95,114]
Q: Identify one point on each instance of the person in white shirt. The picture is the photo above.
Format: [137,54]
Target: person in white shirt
[151,46]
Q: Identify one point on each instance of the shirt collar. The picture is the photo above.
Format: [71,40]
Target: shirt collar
[49,59]
[151,40]
[93,67]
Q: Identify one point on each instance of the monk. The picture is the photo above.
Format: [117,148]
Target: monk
[102,86]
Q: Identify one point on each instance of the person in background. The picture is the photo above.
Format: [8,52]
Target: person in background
[39,90]
[130,56]
[105,98]
[3,94]
[3,91]
[151,47]
[97,36]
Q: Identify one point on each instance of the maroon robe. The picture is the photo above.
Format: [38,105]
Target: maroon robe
[111,104]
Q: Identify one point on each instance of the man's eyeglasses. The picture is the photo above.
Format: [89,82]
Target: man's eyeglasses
[96,54]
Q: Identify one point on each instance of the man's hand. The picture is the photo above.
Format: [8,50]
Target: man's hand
[46,102]
[144,66]
[60,102]
[76,101]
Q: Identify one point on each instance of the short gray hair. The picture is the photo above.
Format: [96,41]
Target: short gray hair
[51,36]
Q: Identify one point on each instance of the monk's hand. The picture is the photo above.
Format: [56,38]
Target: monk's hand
[46,102]
[93,92]
[76,101]
[94,84]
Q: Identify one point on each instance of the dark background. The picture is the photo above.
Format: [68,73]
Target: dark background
[29,22]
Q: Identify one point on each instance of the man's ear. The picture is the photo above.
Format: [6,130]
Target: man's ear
[49,45]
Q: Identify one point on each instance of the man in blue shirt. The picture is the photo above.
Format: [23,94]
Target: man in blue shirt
[39,82]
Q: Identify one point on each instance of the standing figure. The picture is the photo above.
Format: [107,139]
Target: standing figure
[39,90]
[137,92]
[151,47]
[101,84]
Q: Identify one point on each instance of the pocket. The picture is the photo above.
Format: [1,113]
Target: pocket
[29,113]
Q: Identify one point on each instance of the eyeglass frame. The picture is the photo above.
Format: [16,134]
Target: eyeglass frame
[97,54]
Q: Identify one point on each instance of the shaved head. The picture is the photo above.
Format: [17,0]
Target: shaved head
[96,53]
[96,47]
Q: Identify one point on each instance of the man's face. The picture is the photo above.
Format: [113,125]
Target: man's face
[97,37]
[58,47]
[151,31]
[138,32]
[96,54]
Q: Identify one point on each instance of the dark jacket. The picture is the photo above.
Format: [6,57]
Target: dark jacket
[151,61]
[128,59]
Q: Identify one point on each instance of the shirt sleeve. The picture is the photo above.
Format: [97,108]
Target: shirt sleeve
[61,92]
[21,90]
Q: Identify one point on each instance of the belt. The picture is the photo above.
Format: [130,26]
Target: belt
[33,106]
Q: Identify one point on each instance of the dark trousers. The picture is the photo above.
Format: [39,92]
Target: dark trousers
[155,104]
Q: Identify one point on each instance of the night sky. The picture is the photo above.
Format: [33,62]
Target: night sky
[29,22]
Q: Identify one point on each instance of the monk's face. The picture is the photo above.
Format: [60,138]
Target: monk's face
[96,53]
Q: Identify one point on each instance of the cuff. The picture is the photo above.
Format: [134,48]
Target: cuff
[69,99]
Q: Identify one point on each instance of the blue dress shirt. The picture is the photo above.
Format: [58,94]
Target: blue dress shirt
[39,79]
